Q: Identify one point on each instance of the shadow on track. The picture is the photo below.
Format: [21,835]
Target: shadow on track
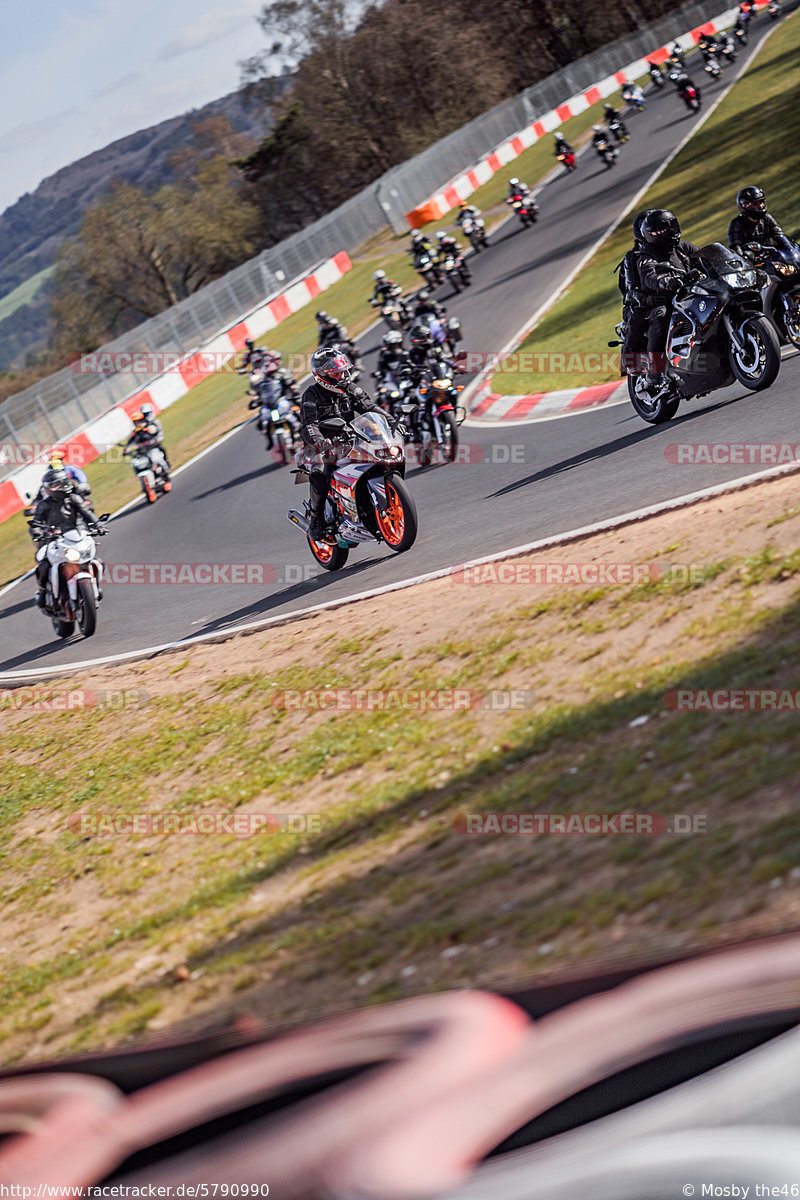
[608,448]
[260,472]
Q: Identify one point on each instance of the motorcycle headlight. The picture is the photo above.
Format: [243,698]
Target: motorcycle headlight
[785,268]
[395,452]
[441,384]
[741,279]
[276,416]
[72,555]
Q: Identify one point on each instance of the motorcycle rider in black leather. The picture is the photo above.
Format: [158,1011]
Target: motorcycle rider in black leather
[665,265]
[562,145]
[62,508]
[448,245]
[392,358]
[331,395]
[612,115]
[634,314]
[424,304]
[384,286]
[754,226]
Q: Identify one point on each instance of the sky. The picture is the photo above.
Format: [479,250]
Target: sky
[76,76]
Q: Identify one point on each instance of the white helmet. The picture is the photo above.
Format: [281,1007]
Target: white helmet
[514,182]
[441,234]
[379,274]
[597,128]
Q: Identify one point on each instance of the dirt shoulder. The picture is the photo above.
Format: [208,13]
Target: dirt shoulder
[495,692]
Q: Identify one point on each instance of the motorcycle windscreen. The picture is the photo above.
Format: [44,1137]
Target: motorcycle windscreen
[374,427]
[720,260]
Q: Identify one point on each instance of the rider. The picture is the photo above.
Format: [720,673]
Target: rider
[634,314]
[79,478]
[392,358]
[423,304]
[333,394]
[562,145]
[467,210]
[420,244]
[447,244]
[632,94]
[147,429]
[61,508]
[425,351]
[384,286]
[612,116]
[754,226]
[252,356]
[599,138]
[665,264]
[516,188]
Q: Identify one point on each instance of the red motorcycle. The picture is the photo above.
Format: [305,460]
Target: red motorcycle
[525,207]
[568,159]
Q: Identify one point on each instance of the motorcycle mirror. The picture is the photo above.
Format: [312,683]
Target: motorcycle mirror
[104,517]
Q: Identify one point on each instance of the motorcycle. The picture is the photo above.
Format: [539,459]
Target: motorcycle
[475,229]
[394,310]
[567,157]
[606,152]
[740,34]
[277,420]
[428,268]
[390,393]
[434,416]
[712,67]
[73,588]
[525,207]
[456,271]
[775,10]
[727,50]
[656,75]
[150,466]
[369,500]
[718,334]
[634,97]
[689,94]
[780,295]
[619,130]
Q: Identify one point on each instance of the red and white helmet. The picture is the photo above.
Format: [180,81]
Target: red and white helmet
[331,367]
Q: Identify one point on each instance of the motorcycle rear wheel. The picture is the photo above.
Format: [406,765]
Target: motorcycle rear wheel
[332,558]
[398,523]
[792,323]
[655,412]
[762,370]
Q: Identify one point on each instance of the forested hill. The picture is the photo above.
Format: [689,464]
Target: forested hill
[32,230]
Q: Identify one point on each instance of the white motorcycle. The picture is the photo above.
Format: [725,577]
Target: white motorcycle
[150,466]
[73,588]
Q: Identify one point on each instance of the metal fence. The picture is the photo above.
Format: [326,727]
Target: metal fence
[63,402]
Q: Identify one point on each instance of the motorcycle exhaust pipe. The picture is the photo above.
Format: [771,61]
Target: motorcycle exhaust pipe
[298,519]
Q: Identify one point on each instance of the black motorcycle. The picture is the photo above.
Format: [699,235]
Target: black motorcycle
[606,152]
[456,270]
[656,75]
[781,292]
[718,335]
[619,130]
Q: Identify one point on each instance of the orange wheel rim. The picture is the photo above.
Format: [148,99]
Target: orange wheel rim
[322,550]
[392,521]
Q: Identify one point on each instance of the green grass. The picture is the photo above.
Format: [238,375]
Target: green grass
[388,880]
[23,293]
[751,137]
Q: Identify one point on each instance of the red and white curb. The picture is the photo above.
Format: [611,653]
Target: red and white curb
[443,201]
[491,406]
[98,436]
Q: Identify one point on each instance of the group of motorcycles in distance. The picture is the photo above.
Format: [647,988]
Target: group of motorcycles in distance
[726,324]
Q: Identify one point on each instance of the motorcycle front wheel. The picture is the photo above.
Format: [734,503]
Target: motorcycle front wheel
[398,522]
[449,443]
[757,366]
[655,412]
[86,608]
[64,629]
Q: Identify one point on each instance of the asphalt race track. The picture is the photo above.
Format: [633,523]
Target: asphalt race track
[515,483]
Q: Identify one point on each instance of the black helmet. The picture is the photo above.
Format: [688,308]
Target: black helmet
[660,228]
[321,316]
[751,202]
[638,221]
[331,367]
[393,338]
[420,335]
[56,483]
[249,343]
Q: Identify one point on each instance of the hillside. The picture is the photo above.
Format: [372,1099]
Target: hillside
[32,229]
